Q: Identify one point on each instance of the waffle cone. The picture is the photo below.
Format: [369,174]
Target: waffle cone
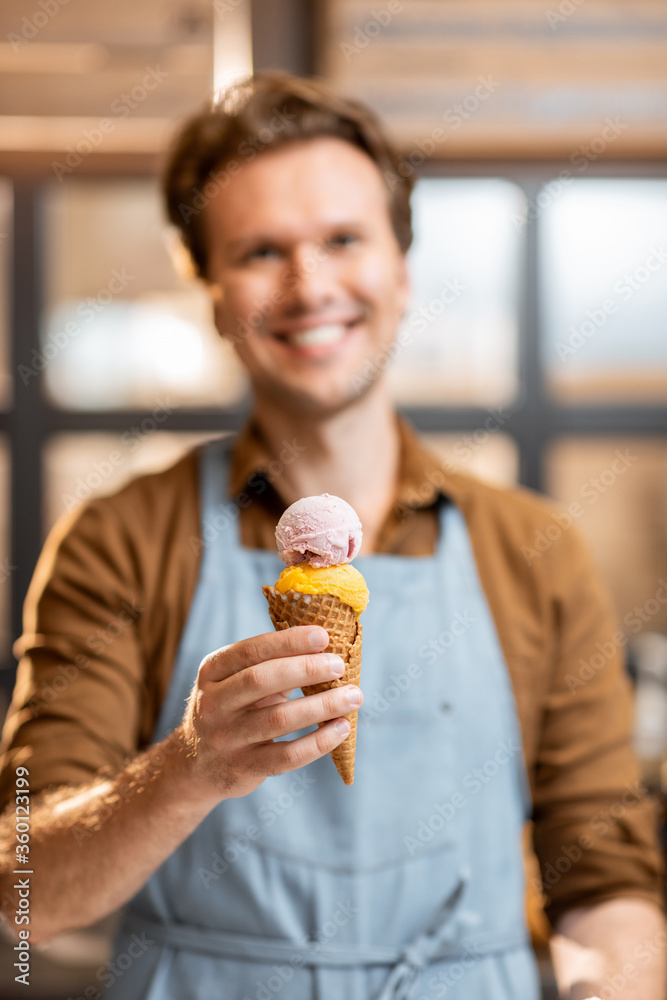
[344,630]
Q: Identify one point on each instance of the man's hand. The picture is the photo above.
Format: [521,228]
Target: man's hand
[95,845]
[615,948]
[239,705]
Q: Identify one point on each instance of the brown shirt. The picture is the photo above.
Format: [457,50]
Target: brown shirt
[112,590]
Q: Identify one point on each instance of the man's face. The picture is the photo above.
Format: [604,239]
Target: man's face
[308,279]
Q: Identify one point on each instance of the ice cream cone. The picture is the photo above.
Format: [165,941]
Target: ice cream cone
[342,624]
[316,538]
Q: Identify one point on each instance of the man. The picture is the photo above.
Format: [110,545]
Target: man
[248,866]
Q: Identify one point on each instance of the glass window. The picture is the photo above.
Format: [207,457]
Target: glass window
[6,214]
[604,289]
[80,466]
[488,456]
[122,329]
[458,340]
[620,489]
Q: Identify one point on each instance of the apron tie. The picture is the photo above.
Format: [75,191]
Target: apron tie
[402,979]
[435,942]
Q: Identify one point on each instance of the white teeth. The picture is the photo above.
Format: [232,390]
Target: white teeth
[329,334]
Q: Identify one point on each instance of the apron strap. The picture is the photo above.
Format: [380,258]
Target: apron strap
[433,943]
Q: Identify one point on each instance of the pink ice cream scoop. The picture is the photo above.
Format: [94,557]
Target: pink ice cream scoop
[323,530]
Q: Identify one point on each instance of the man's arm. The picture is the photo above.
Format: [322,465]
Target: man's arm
[93,847]
[595,826]
[615,949]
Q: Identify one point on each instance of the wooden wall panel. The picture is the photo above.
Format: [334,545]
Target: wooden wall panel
[537,78]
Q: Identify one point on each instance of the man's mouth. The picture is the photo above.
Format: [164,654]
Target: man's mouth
[329,333]
[321,335]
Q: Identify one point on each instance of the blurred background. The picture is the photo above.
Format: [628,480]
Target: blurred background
[537,132]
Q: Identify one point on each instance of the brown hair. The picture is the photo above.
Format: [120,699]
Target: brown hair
[261,113]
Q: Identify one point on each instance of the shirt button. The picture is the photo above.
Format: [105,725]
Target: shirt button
[445,707]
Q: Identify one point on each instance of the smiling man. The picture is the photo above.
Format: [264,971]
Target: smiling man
[244,866]
[293,212]
[304,256]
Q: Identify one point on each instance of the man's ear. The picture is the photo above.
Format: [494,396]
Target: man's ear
[216,294]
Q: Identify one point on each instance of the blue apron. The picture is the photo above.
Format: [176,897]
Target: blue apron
[408,883]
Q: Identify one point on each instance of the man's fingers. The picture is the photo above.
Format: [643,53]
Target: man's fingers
[290,716]
[273,699]
[229,660]
[248,687]
[288,755]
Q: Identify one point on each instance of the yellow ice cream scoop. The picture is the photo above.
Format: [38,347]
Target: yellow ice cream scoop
[345,582]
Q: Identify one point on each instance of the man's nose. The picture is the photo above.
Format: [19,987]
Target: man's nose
[311,277]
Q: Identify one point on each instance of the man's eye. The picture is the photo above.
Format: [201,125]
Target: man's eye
[262,253]
[341,240]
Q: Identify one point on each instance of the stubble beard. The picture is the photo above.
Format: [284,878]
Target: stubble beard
[302,405]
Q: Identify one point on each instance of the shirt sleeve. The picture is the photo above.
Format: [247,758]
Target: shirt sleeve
[595,829]
[77,701]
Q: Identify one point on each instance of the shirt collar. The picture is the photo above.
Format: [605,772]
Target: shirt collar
[422,476]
